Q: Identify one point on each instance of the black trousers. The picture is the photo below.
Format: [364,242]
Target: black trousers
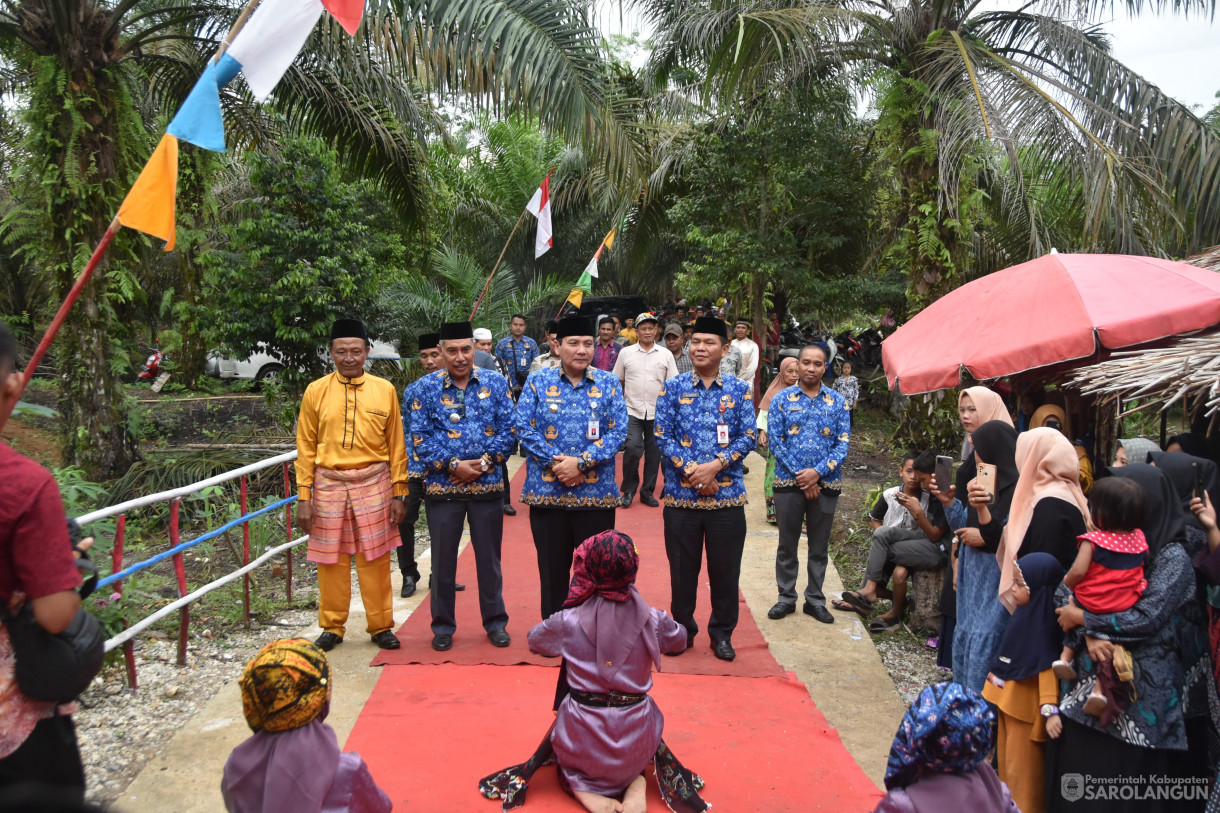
[445,521]
[406,529]
[641,442]
[48,759]
[508,496]
[722,531]
[557,534]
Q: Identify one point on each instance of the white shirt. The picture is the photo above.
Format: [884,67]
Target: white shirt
[642,373]
[749,359]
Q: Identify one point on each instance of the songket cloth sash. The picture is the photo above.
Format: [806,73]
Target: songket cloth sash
[351,510]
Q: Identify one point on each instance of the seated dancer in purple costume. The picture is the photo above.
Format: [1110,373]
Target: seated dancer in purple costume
[607,729]
[293,762]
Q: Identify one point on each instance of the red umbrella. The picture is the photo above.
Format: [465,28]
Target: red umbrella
[1057,308]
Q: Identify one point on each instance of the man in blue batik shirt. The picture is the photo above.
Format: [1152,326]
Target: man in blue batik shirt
[517,352]
[808,431]
[571,422]
[705,428]
[462,429]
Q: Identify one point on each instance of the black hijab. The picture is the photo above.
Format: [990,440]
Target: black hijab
[1180,468]
[1164,517]
[1032,639]
[995,442]
[1191,443]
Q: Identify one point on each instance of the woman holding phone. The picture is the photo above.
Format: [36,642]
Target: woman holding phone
[981,618]
[975,407]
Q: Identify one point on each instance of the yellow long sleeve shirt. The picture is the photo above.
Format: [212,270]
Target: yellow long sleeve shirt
[349,424]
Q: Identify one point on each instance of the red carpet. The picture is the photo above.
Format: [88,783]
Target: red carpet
[521,598]
[429,733]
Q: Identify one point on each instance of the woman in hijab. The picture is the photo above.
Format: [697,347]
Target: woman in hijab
[1162,733]
[607,729]
[981,617]
[293,761]
[1022,686]
[786,377]
[975,407]
[1184,472]
[1049,510]
[1134,450]
[1054,417]
[938,761]
[1190,443]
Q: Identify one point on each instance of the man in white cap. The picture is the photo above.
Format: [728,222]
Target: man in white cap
[642,367]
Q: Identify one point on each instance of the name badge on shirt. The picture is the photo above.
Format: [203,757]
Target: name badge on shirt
[722,434]
[594,430]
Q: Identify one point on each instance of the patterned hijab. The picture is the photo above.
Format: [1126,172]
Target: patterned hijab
[611,612]
[946,730]
[285,686]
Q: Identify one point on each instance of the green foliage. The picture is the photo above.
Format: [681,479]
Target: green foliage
[931,422]
[306,250]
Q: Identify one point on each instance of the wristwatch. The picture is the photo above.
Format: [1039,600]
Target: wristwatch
[401,499]
[484,463]
[1049,709]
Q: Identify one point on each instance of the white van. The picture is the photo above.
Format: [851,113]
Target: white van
[263,366]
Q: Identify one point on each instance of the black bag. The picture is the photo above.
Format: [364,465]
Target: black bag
[55,668]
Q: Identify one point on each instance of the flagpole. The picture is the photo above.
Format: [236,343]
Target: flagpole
[496,267]
[100,251]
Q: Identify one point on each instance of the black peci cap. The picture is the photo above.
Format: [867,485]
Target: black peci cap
[456,330]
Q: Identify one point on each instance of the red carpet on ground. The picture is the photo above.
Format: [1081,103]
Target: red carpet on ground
[430,732]
[522,600]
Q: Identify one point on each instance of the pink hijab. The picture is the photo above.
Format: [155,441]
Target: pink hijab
[989,406]
[1048,466]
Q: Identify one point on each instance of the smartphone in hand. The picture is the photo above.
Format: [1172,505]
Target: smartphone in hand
[944,474]
[986,478]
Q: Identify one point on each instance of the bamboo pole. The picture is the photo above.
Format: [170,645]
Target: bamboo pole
[496,267]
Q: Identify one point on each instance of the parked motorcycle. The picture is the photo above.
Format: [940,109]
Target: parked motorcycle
[152,366]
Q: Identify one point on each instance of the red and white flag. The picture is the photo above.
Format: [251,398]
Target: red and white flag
[540,207]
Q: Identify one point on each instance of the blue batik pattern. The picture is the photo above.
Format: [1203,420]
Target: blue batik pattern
[415,469]
[484,427]
[685,428]
[553,418]
[808,433]
[516,356]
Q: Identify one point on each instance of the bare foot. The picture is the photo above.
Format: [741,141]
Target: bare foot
[598,804]
[634,800]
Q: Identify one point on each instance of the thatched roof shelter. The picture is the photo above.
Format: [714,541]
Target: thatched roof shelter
[1209,259]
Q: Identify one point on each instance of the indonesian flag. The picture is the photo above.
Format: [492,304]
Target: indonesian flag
[540,207]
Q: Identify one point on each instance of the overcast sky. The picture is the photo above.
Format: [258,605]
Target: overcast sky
[1181,56]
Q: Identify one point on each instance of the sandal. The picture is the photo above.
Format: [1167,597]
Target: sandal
[880,624]
[840,604]
[1096,705]
[1063,670]
[857,601]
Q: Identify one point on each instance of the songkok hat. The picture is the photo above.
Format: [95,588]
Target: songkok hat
[647,316]
[574,326]
[710,324]
[456,330]
[673,329]
[285,686]
[482,334]
[428,341]
[348,329]
[744,321]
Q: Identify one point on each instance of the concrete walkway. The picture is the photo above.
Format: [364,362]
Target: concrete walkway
[846,680]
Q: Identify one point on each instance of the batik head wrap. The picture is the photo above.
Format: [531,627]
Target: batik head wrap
[285,686]
[604,567]
[946,730]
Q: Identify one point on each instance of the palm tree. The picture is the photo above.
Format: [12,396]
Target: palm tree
[89,72]
[1020,111]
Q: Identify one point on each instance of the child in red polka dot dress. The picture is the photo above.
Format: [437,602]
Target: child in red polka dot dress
[1108,574]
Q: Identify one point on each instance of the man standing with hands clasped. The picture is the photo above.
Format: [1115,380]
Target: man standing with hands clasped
[462,430]
[705,428]
[808,431]
[643,368]
[351,486]
[571,421]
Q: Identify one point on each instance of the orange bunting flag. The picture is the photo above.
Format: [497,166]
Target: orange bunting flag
[346,12]
[149,206]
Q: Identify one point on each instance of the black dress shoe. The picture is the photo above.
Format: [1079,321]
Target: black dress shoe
[649,500]
[499,638]
[745,469]
[442,641]
[819,612]
[628,496]
[724,650]
[780,610]
[509,510]
[386,640]
[456,586]
[408,587]
[690,641]
[328,641]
